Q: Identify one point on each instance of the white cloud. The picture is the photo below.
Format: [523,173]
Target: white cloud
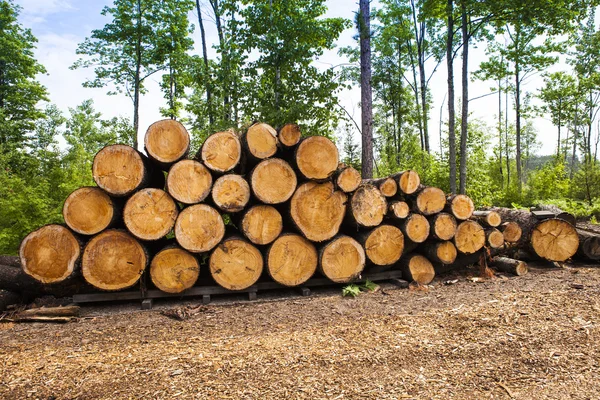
[44,7]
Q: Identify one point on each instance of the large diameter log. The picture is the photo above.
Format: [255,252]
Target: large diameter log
[494,238]
[367,206]
[429,201]
[488,218]
[14,279]
[199,228]
[342,259]
[440,252]
[221,152]
[189,182]
[13,261]
[121,170]
[589,245]
[387,186]
[235,264]
[470,237]
[166,142]
[231,193]
[291,260]
[398,210]
[50,254]
[408,181]
[443,226]
[174,270]
[347,179]
[461,206]
[415,228]
[260,141]
[90,210]
[262,224]
[509,265]
[289,136]
[417,268]
[8,298]
[317,210]
[383,245]
[511,231]
[113,260]
[273,181]
[150,214]
[317,158]
[554,240]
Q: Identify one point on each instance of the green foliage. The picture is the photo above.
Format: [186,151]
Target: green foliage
[549,182]
[351,290]
[369,286]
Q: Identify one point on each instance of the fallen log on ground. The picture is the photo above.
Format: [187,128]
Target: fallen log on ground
[509,265]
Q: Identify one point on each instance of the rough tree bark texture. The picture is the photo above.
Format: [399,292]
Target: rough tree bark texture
[366,95]
[451,110]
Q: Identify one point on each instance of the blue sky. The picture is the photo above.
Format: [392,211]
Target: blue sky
[60,25]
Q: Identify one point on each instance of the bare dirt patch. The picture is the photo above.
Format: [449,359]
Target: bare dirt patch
[530,337]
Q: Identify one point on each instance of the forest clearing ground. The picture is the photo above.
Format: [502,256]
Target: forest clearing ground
[535,336]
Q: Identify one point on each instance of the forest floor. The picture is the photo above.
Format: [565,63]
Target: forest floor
[535,336]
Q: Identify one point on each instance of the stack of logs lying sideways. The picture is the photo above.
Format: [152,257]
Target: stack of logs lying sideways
[267,204]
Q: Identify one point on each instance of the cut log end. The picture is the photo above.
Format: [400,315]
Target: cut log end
[236,264]
[470,237]
[199,228]
[444,226]
[88,210]
[368,206]
[510,266]
[348,180]
[554,240]
[416,228]
[167,141]
[174,270]
[113,260]
[150,214]
[189,182]
[317,157]
[461,206]
[261,141]
[273,181]
[446,252]
[489,218]
[431,200]
[384,245]
[409,181]
[495,239]
[399,209]
[289,135]
[221,152]
[512,231]
[231,193]
[118,169]
[318,210]
[262,224]
[342,260]
[291,260]
[49,254]
[388,187]
[418,268]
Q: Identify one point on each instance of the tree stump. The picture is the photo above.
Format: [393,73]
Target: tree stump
[235,264]
[291,260]
[189,182]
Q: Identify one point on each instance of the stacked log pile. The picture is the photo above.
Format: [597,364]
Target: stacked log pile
[267,204]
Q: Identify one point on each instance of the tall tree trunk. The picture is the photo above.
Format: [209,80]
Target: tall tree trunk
[575,135]
[416,92]
[500,132]
[136,83]
[365,89]
[424,104]
[225,59]
[518,126]
[507,153]
[465,98]
[451,110]
[559,124]
[211,117]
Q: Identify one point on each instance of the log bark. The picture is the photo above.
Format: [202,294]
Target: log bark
[231,193]
[259,142]
[589,245]
[317,210]
[398,210]
[408,181]
[417,268]
[12,261]
[14,279]
[122,170]
[273,181]
[173,270]
[470,237]
[488,218]
[221,152]
[461,206]
[508,265]
[50,254]
[166,142]
[236,264]
[383,245]
[150,214]
[367,207]
[494,238]
[189,181]
[90,210]
[387,186]
[316,158]
[342,259]
[8,298]
[199,228]
[347,179]
[415,228]
[261,224]
[429,201]
[113,260]
[289,136]
[443,226]
[291,260]
[439,252]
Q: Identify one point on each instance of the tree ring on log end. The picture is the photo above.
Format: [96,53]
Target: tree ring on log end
[88,210]
[199,228]
[368,206]
[291,260]
[221,151]
[421,269]
[348,180]
[273,181]
[495,239]
[416,228]
[189,182]
[444,226]
[289,135]
[409,181]
[512,231]
[462,207]
[555,240]
[118,169]
[261,140]
[317,157]
[174,270]
[400,209]
[167,141]
[231,193]
[236,264]
[446,252]
[150,214]
[262,224]
[470,237]
[384,245]
[342,260]
[431,200]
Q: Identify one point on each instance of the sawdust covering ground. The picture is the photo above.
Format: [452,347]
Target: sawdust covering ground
[530,337]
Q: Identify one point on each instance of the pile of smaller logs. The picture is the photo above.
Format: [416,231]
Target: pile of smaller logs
[264,204]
